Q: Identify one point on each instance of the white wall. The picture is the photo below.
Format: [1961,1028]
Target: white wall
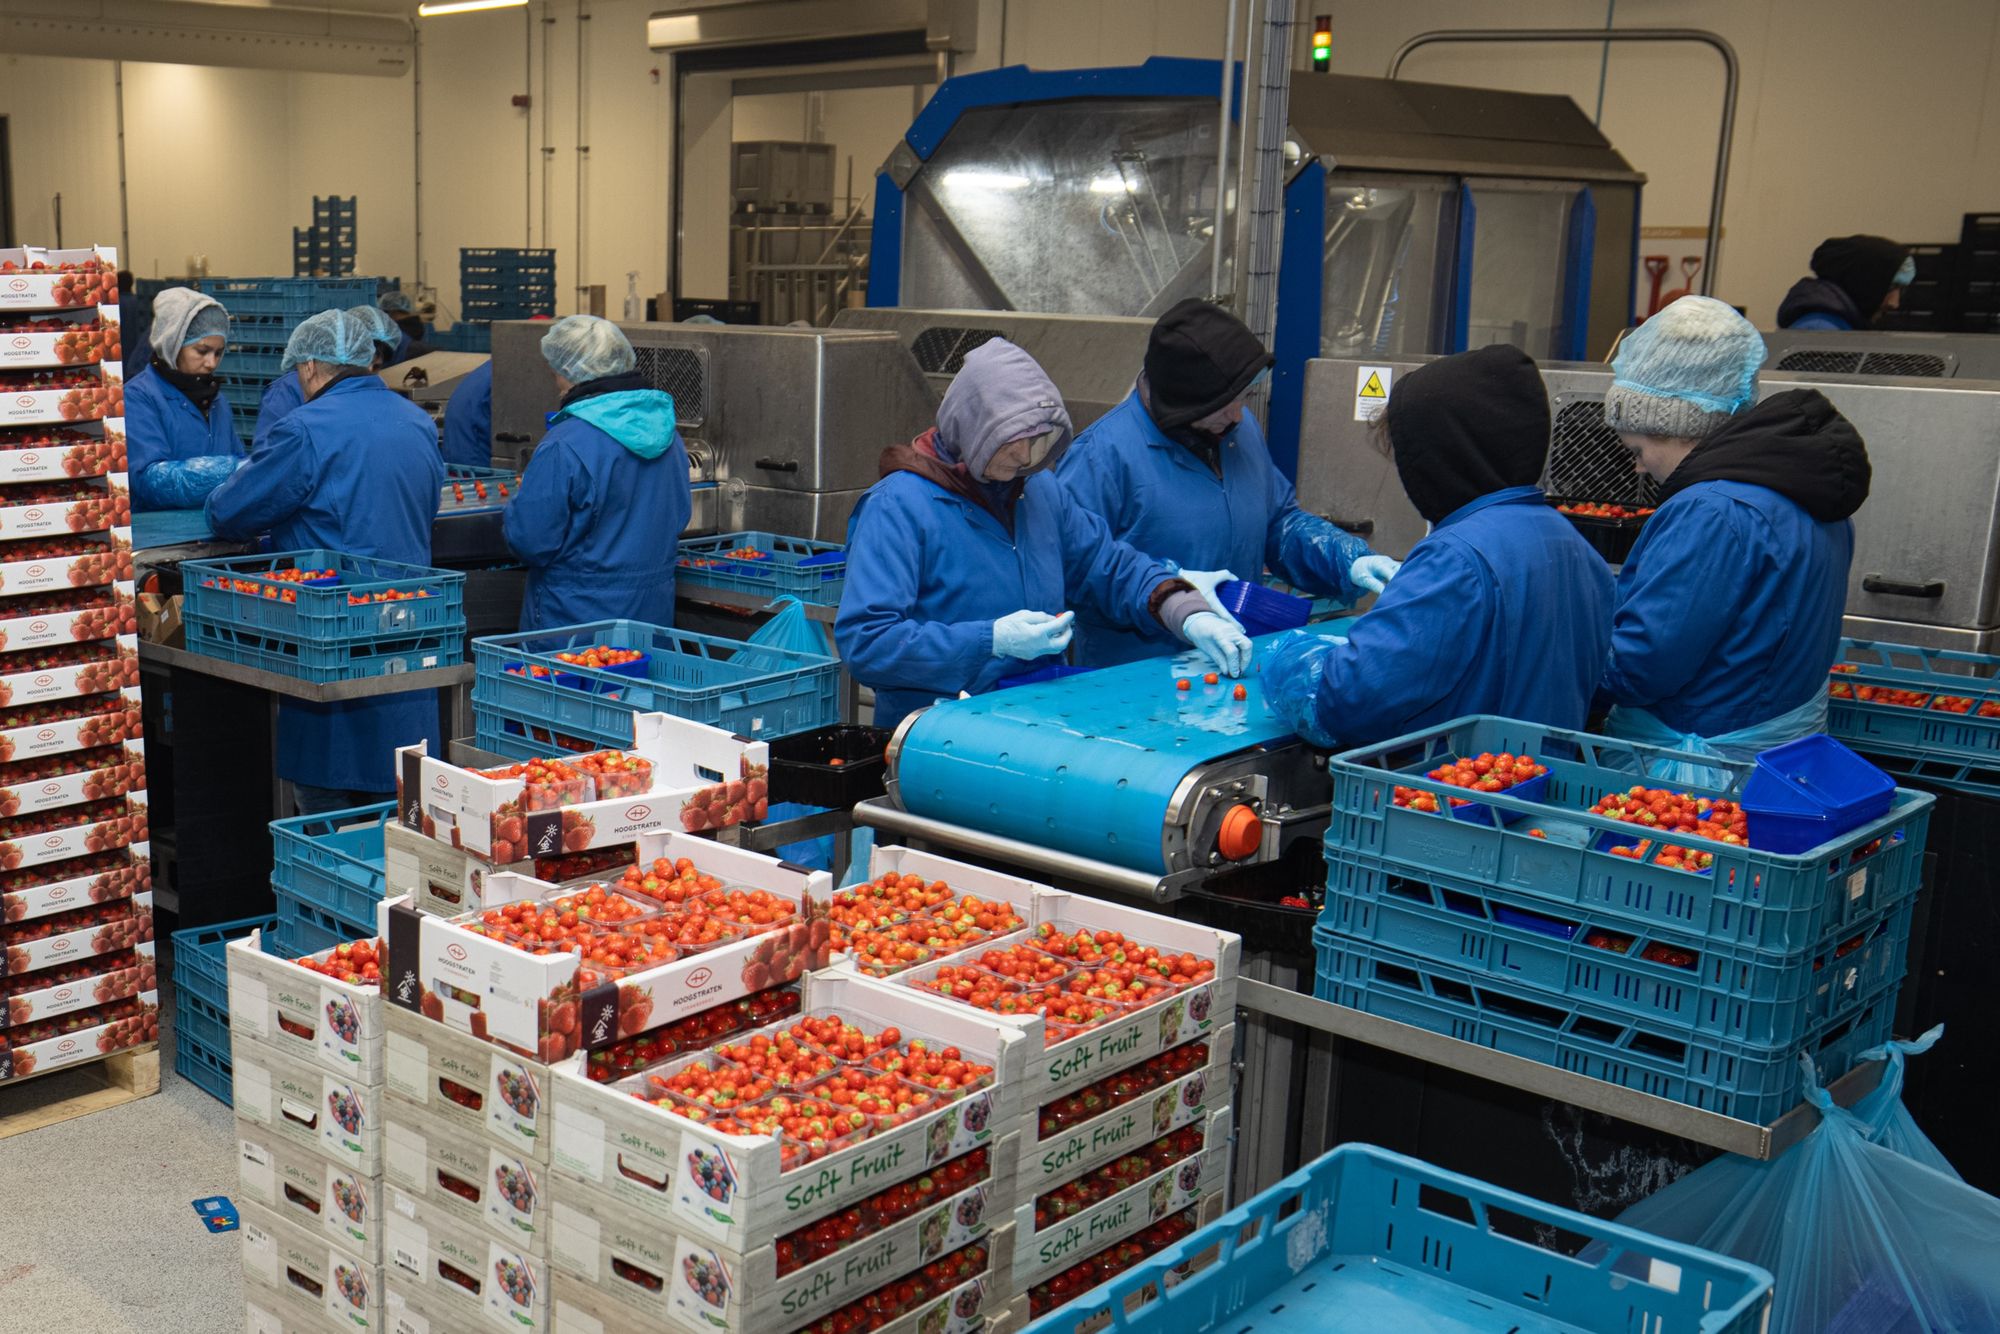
[1852,117]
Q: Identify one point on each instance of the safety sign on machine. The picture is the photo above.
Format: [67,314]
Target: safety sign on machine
[1371,391]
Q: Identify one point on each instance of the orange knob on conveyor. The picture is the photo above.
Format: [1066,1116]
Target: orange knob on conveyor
[1242,833]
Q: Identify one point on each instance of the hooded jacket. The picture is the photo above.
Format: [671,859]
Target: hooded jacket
[935,554]
[598,518]
[1729,606]
[1815,303]
[1852,276]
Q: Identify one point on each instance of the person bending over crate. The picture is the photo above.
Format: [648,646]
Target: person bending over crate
[355,468]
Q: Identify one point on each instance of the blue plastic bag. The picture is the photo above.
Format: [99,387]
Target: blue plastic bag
[789,630]
[1866,1228]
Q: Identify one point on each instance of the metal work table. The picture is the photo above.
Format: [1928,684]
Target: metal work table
[277,683]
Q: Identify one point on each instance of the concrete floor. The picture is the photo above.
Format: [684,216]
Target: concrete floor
[97,1232]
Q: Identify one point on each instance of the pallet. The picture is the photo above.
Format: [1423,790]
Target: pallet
[122,1077]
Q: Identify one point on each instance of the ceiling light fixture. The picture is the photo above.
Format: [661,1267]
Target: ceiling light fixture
[432,8]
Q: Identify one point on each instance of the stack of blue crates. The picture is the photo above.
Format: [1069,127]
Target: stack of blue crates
[326,249]
[201,1003]
[527,702]
[505,284]
[1926,713]
[263,312]
[1509,921]
[327,876]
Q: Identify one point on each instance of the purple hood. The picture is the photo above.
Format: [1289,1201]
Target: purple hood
[1000,395]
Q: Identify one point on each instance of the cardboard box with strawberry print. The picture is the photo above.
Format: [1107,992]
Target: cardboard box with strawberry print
[80,933]
[62,564]
[282,1258]
[1077,1235]
[435,877]
[458,1276]
[94,668]
[72,831]
[309,1105]
[37,892]
[1127,1110]
[435,1076]
[83,336]
[70,779]
[38,278]
[81,984]
[71,616]
[738,1191]
[84,1035]
[466,974]
[307,1015]
[54,509]
[68,394]
[554,806]
[446,1172]
[310,1190]
[84,722]
[56,453]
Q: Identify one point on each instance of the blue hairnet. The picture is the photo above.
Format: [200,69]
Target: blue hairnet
[1697,350]
[585,347]
[210,321]
[334,337]
[397,303]
[377,322]
[1907,274]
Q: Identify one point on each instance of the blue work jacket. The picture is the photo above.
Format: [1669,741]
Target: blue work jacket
[599,515]
[280,397]
[1154,494]
[929,571]
[1821,319]
[1729,608]
[468,420]
[1503,609]
[162,425]
[354,470]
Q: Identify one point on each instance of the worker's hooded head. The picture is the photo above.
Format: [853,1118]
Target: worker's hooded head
[1002,406]
[1199,360]
[1468,425]
[183,317]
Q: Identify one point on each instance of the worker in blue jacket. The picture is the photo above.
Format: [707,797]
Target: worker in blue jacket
[1180,471]
[1856,279]
[1502,609]
[964,560]
[1729,606]
[356,470]
[180,433]
[410,342]
[599,513]
[284,393]
[468,420]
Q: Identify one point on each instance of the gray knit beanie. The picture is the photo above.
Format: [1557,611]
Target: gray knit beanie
[1685,372]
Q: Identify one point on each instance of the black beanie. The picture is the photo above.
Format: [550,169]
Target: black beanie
[1199,360]
[1468,425]
[1864,267]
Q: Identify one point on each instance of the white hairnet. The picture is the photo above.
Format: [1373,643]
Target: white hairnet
[333,337]
[174,313]
[1684,372]
[378,322]
[585,347]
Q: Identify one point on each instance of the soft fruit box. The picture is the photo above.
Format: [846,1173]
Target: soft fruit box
[63,781]
[53,453]
[306,1015]
[306,1271]
[310,1190]
[85,830]
[82,985]
[55,508]
[493,817]
[461,1277]
[38,278]
[81,1037]
[537,1003]
[103,613]
[309,1105]
[87,336]
[50,397]
[81,669]
[1072,1150]
[733,1190]
[448,1172]
[452,1080]
[105,878]
[84,562]
[116,924]
[437,878]
[88,725]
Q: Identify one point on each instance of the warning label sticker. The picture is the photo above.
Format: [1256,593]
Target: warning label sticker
[1371,391]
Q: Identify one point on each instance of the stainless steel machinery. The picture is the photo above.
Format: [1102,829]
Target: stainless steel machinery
[1926,542]
[783,426]
[1947,356]
[1092,358]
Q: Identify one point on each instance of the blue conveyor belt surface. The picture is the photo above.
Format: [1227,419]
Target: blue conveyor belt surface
[1084,764]
[165,528]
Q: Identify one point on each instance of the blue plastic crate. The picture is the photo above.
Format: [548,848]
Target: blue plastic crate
[306,928]
[751,690]
[1364,1241]
[514,739]
[505,257]
[248,360]
[487,312]
[1737,1079]
[201,964]
[463,337]
[1930,742]
[195,1018]
[334,862]
[808,570]
[205,1068]
[289,296]
[1711,988]
[1773,902]
[322,611]
[324,663]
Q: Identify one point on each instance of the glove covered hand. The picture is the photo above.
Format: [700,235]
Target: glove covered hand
[1220,640]
[1292,669]
[1373,572]
[1028,635]
[1205,583]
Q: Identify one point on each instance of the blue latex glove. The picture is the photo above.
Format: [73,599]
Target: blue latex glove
[1220,640]
[1373,572]
[1205,583]
[1028,635]
[182,484]
[1292,670]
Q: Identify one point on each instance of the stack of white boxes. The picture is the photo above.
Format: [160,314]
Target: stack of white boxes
[309,1055]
